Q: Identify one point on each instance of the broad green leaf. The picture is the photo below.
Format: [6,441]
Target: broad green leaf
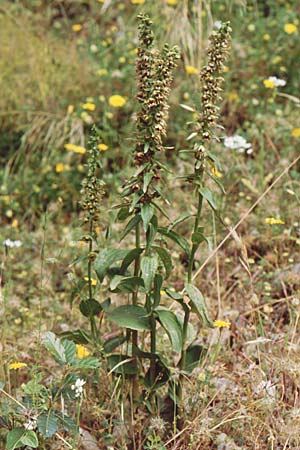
[78,336]
[70,350]
[152,230]
[123,213]
[207,194]
[117,364]
[194,355]
[30,438]
[113,343]
[180,240]
[88,363]
[173,294]
[147,212]
[149,266]
[172,326]
[67,423]
[129,258]
[54,346]
[165,257]
[125,284]
[13,438]
[47,424]
[105,259]
[198,304]
[131,316]
[90,307]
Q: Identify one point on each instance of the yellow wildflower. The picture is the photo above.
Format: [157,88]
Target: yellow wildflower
[9,213]
[77,27]
[290,28]
[75,148]
[276,60]
[101,1]
[172,2]
[102,72]
[269,84]
[266,37]
[137,2]
[102,147]
[232,96]
[70,109]
[93,281]
[190,70]
[221,324]
[17,365]
[81,351]
[15,223]
[109,115]
[296,132]
[59,167]
[89,106]
[216,173]
[117,101]
[251,27]
[273,221]
[6,199]
[122,59]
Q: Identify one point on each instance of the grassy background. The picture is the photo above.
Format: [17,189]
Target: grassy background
[246,395]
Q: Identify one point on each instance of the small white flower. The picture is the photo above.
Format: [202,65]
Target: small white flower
[217,24]
[11,244]
[277,81]
[78,387]
[238,143]
[31,424]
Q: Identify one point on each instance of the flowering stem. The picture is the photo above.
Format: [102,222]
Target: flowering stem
[92,318]
[187,309]
[134,338]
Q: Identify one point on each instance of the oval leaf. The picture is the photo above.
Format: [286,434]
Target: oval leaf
[149,265]
[172,326]
[198,304]
[131,316]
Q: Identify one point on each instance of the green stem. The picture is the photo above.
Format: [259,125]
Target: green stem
[94,330]
[187,310]
[134,336]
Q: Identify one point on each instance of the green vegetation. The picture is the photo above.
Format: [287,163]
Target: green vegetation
[149,190]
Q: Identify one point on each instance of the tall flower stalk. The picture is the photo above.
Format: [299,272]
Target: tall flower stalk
[202,134]
[154,73]
[92,192]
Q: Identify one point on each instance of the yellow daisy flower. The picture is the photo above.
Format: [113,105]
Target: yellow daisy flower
[269,84]
[296,132]
[117,101]
[17,365]
[89,106]
[273,221]
[221,324]
[81,351]
[290,28]
[77,27]
[102,147]
[75,148]
[191,70]
[59,167]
